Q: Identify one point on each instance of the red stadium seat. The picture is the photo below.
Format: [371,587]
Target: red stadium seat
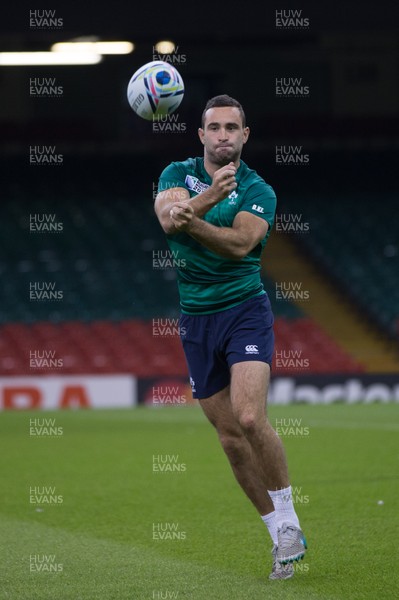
[131,347]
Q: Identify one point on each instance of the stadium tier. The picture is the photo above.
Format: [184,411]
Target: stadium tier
[360,253]
[149,348]
[84,276]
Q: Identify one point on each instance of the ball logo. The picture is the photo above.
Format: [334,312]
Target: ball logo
[140,98]
[251,349]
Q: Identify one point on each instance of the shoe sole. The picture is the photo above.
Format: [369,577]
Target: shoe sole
[277,578]
[290,559]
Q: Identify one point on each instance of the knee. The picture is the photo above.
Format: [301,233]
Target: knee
[249,422]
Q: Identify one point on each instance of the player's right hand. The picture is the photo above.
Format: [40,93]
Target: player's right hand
[224,181]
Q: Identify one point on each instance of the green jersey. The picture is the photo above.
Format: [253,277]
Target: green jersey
[208,282]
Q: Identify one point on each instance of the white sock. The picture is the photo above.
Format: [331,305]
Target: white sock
[271,523]
[284,507]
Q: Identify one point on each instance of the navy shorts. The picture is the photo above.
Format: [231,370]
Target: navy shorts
[212,343]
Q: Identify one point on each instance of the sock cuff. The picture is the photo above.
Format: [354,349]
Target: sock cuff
[268,517]
[274,494]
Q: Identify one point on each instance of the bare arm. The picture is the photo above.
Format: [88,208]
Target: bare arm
[223,183]
[167,200]
[230,242]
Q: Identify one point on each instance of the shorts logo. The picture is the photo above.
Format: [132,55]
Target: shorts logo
[251,349]
[192,383]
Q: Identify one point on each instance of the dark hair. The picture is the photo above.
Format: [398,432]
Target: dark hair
[223,100]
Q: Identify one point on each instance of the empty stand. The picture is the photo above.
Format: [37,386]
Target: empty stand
[100,258]
[360,250]
[134,347]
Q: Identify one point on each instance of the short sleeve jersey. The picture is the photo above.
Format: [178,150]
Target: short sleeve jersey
[208,282]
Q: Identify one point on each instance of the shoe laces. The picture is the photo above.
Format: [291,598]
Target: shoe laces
[289,530]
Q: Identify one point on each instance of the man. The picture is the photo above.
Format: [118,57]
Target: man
[217,215]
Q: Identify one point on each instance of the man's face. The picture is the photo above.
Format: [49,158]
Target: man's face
[223,135]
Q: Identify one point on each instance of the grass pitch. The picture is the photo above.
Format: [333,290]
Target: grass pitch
[85,514]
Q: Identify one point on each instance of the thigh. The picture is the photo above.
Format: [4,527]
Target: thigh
[249,386]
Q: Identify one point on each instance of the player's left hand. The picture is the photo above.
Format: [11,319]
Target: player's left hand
[181,215]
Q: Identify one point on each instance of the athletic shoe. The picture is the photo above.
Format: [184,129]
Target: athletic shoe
[291,544]
[280,571]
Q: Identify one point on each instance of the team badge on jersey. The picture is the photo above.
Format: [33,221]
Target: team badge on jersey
[232,197]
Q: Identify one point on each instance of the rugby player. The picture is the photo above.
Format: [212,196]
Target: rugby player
[217,214]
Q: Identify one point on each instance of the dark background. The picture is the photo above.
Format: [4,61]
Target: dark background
[348,124]
[348,57]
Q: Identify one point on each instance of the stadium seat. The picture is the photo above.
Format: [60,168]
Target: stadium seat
[102,263]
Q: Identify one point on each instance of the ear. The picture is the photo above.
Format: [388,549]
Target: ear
[246,134]
[201,134]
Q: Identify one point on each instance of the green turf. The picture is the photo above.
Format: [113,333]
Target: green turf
[101,535]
